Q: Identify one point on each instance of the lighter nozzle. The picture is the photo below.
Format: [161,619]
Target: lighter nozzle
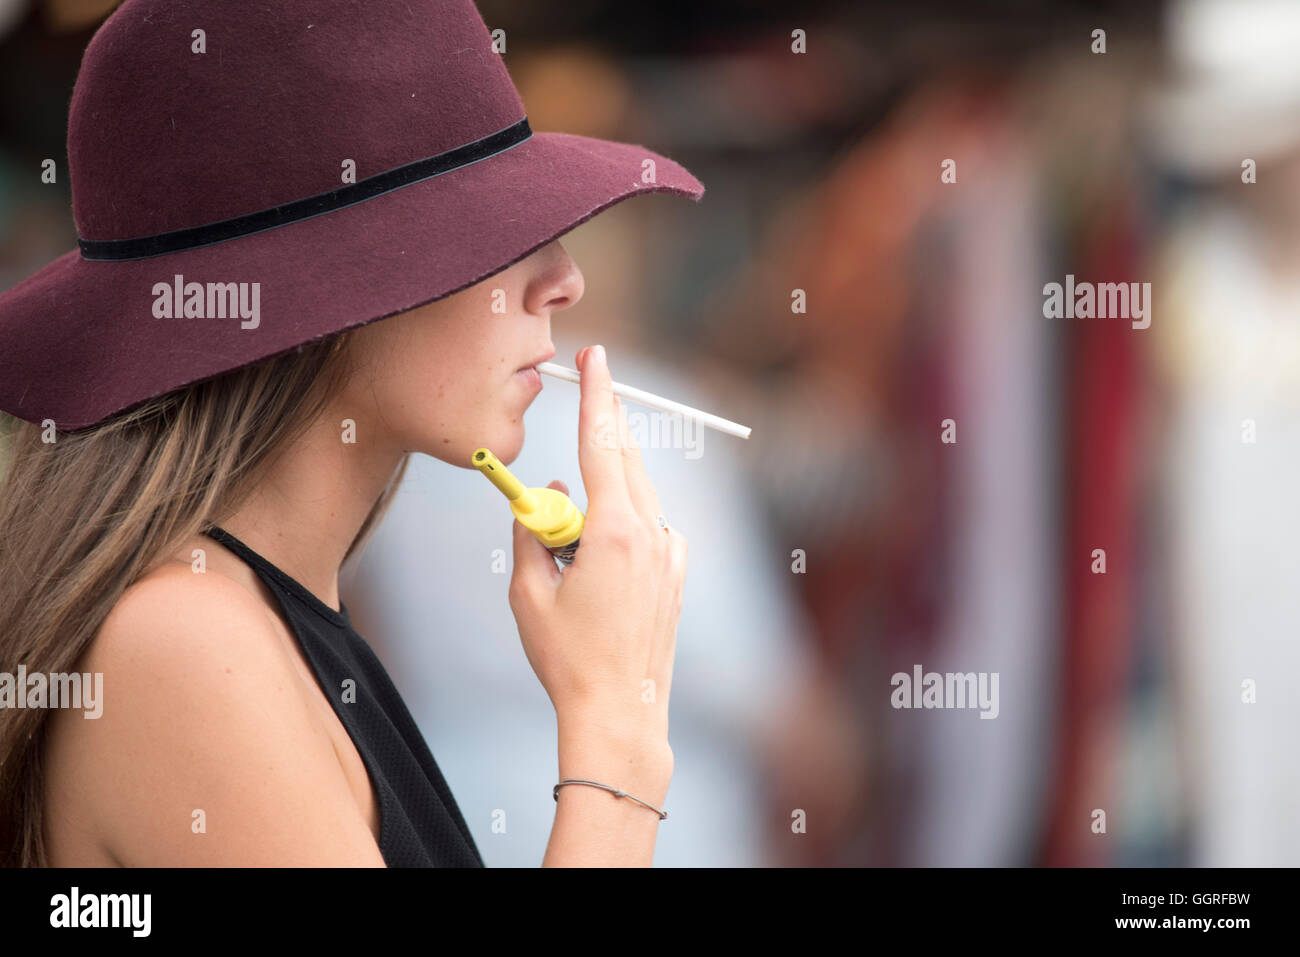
[500,476]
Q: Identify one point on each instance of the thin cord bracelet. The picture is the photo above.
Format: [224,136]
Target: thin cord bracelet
[555,793]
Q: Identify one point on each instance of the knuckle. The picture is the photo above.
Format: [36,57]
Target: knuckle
[659,543]
[625,536]
[680,552]
[602,431]
[626,435]
[644,539]
[521,593]
[596,386]
[515,594]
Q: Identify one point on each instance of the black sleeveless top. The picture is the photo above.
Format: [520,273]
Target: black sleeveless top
[420,824]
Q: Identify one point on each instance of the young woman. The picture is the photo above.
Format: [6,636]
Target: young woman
[174,516]
[210,703]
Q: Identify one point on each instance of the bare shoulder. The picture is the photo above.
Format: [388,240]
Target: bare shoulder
[175,618]
[192,625]
[205,752]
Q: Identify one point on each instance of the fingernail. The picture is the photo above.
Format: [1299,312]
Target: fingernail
[600,353]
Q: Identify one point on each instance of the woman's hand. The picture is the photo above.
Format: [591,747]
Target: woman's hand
[601,634]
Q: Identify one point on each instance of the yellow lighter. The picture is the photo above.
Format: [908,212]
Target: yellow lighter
[546,512]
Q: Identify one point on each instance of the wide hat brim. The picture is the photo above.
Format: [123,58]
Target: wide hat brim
[80,342]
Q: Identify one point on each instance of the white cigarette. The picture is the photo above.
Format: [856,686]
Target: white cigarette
[653,401]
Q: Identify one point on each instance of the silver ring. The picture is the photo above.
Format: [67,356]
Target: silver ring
[663,522]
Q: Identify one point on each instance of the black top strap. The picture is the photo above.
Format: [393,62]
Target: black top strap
[420,823]
[300,591]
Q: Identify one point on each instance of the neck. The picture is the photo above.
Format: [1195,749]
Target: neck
[307,511]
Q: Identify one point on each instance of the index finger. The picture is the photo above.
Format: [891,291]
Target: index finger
[600,455]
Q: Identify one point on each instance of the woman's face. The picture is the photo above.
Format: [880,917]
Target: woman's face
[444,379]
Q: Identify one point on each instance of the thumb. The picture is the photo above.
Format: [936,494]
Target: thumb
[534,566]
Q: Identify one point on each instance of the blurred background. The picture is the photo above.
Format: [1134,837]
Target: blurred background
[940,476]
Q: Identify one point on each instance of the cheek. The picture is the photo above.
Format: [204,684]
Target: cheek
[452,407]
[444,388]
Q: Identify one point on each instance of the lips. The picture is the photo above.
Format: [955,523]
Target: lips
[544,357]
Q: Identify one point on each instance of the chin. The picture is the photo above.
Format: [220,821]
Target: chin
[509,445]
[505,443]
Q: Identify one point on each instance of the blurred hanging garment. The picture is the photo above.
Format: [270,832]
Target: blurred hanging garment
[1100,424]
[978,781]
[1232,352]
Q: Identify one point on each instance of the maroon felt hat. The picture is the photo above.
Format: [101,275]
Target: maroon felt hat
[248,177]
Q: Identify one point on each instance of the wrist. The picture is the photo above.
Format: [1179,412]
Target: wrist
[648,779]
[591,743]
[642,730]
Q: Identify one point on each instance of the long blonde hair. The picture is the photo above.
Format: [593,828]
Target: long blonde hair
[85,516]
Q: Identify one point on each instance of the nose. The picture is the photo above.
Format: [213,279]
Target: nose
[557,284]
